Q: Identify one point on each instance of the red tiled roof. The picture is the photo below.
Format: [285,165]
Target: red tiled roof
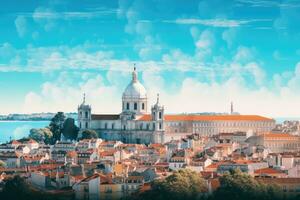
[277,135]
[209,118]
[267,171]
[15,142]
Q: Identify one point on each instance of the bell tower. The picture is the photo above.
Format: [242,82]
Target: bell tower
[84,115]
[157,116]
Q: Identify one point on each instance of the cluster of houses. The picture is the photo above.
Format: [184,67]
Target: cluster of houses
[98,169]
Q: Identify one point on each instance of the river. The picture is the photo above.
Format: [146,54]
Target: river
[18,129]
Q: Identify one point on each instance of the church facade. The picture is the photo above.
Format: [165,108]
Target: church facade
[136,125]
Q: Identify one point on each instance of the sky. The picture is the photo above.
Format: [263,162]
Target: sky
[199,55]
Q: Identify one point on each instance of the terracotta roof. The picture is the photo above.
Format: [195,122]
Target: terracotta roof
[108,153]
[105,117]
[277,135]
[209,118]
[280,180]
[215,165]
[31,141]
[72,154]
[267,171]
[15,142]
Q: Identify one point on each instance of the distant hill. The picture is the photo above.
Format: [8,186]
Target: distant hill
[33,117]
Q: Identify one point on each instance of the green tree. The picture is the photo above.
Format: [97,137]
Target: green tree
[89,134]
[237,185]
[70,130]
[15,188]
[2,164]
[183,184]
[56,126]
[41,135]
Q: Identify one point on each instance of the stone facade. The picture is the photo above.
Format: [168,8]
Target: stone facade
[135,125]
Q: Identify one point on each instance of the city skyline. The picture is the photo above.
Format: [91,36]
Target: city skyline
[199,56]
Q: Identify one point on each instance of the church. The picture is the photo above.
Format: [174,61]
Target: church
[135,124]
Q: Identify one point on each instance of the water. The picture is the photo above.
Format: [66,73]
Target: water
[18,129]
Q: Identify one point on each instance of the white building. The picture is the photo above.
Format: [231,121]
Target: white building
[136,125]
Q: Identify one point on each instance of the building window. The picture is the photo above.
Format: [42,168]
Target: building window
[160,126]
[86,115]
[135,106]
[86,125]
[80,125]
[80,114]
[124,127]
[112,126]
[143,106]
[127,106]
[159,115]
[141,126]
[105,126]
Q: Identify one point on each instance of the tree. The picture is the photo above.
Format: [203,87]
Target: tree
[41,135]
[183,184]
[89,134]
[15,188]
[70,130]
[237,185]
[56,126]
[2,164]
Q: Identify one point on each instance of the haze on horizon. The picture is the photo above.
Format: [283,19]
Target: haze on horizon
[199,56]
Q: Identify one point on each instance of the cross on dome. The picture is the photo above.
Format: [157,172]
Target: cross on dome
[83,98]
[134,74]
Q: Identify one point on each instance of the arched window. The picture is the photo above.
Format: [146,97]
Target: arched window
[159,115]
[135,106]
[127,106]
[80,114]
[160,125]
[143,106]
[86,114]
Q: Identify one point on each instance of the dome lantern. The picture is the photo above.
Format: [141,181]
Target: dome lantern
[134,97]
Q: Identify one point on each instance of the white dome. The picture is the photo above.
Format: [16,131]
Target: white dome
[135,90]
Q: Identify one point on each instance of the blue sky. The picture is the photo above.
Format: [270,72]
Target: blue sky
[199,55]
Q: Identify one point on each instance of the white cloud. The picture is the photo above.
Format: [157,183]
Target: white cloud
[215,22]
[45,17]
[21,25]
[61,95]
[150,48]
[244,54]
[193,95]
[264,3]
[210,22]
[229,36]
[21,131]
